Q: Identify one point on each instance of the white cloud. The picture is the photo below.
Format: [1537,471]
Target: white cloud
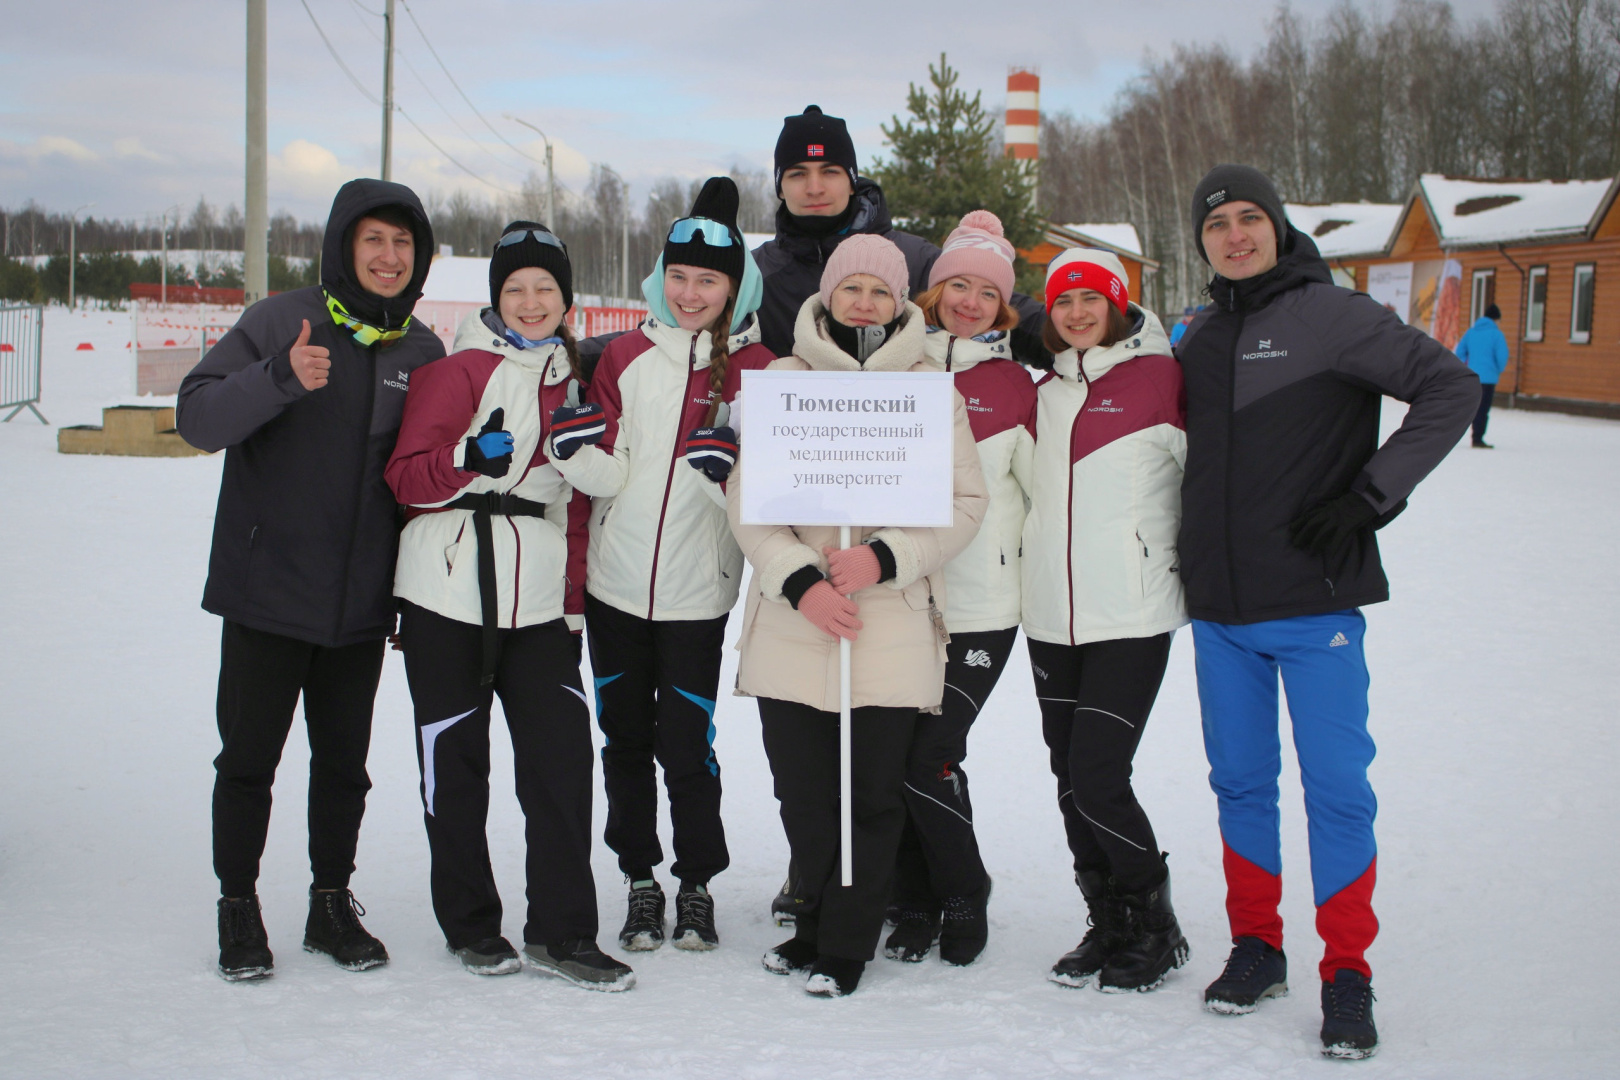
[306,171]
[131,148]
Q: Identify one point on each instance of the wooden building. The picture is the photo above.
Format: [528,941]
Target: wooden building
[1546,252]
[1119,238]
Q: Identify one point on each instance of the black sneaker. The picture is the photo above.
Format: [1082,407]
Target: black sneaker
[831,976]
[794,954]
[1347,1016]
[694,919]
[491,956]
[334,928]
[644,923]
[580,962]
[244,948]
[1481,444]
[916,929]
[1254,971]
[1080,965]
[965,927]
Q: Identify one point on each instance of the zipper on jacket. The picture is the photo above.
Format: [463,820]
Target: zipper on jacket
[359,486]
[950,347]
[1068,546]
[669,481]
[1231,433]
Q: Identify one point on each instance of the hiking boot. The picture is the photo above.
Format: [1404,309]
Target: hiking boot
[491,956]
[915,931]
[1254,971]
[1347,1018]
[644,924]
[1080,965]
[694,919]
[580,962]
[334,928]
[244,948]
[1151,942]
[965,927]
[832,976]
[794,954]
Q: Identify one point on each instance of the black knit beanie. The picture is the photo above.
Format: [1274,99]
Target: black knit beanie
[813,136]
[1237,183]
[528,252]
[718,202]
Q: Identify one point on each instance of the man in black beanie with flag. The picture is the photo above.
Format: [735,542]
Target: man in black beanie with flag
[1285,484]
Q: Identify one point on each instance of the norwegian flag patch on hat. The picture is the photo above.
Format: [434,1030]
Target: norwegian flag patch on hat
[816,150]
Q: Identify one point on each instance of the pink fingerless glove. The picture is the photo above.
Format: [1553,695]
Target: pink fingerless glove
[832,614]
[853,568]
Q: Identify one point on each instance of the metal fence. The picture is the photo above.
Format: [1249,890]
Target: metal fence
[20,351]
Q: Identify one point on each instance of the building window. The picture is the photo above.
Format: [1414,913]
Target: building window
[1580,312]
[1483,296]
[1535,315]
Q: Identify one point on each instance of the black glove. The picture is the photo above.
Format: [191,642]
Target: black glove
[490,451]
[574,426]
[1331,526]
[712,451]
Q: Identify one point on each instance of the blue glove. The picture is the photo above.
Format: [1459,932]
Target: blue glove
[712,451]
[574,426]
[490,451]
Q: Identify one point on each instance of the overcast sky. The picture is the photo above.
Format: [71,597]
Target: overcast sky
[140,106]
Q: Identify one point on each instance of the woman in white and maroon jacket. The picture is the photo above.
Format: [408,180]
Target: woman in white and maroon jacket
[884,594]
[1102,595]
[941,886]
[489,578]
[663,570]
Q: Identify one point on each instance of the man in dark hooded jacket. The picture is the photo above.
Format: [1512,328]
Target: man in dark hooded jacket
[305,395]
[1285,482]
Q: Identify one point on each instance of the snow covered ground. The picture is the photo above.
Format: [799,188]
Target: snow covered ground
[1493,706]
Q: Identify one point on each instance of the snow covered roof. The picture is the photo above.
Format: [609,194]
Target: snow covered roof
[1502,211]
[1115,234]
[1345,229]
[462,279]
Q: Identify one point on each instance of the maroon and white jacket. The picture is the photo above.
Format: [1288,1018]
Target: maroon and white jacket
[539,562]
[1100,541]
[982,584]
[660,545]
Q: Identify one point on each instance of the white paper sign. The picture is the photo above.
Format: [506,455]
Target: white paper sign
[847,448]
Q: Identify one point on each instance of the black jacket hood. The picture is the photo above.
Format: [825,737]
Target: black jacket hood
[354,200]
[1299,263]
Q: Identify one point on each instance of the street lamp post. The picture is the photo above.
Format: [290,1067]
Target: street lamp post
[73,253]
[551,176]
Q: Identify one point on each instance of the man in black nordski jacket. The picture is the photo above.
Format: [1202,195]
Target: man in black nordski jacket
[1285,482]
[305,395]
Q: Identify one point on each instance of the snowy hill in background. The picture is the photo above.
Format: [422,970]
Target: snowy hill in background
[1494,693]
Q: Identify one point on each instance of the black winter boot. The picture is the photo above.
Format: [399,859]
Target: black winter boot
[334,929]
[1151,942]
[244,948]
[1080,965]
[832,976]
[966,926]
[1347,1019]
[786,904]
[915,931]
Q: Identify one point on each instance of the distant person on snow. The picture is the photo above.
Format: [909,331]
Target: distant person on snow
[491,587]
[1484,349]
[305,395]
[1285,484]
[663,571]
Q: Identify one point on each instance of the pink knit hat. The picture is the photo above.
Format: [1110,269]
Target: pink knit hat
[977,246]
[864,253]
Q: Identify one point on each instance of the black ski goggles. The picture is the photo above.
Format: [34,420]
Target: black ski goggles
[540,236]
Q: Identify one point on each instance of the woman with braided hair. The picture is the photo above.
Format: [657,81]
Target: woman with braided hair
[663,571]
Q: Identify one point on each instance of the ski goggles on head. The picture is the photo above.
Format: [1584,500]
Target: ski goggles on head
[540,236]
[363,332]
[714,234]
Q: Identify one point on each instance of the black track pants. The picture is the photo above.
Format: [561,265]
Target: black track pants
[261,676]
[537,677]
[802,744]
[939,855]
[1095,700]
[655,699]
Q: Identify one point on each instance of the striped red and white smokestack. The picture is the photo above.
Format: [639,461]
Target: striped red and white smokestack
[1023,127]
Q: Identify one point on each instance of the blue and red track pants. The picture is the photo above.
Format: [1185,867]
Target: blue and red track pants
[1324,673]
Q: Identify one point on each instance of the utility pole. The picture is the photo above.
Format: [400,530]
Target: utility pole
[388,92]
[73,254]
[624,251]
[551,175]
[255,239]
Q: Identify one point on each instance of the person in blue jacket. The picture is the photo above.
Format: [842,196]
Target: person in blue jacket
[1485,350]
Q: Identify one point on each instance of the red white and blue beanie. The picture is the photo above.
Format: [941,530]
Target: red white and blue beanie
[1088,268]
[977,246]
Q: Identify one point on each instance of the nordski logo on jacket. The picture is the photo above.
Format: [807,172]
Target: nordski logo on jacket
[1106,405]
[1264,351]
[402,383]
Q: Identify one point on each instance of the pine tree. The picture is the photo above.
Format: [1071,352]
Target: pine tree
[947,161]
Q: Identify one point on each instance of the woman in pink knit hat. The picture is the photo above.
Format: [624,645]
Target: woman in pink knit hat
[883,594]
[941,886]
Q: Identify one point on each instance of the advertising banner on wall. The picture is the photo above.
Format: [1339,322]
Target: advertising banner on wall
[1447,324]
[1391,285]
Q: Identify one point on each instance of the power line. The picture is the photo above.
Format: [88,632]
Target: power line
[369,96]
[487,183]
